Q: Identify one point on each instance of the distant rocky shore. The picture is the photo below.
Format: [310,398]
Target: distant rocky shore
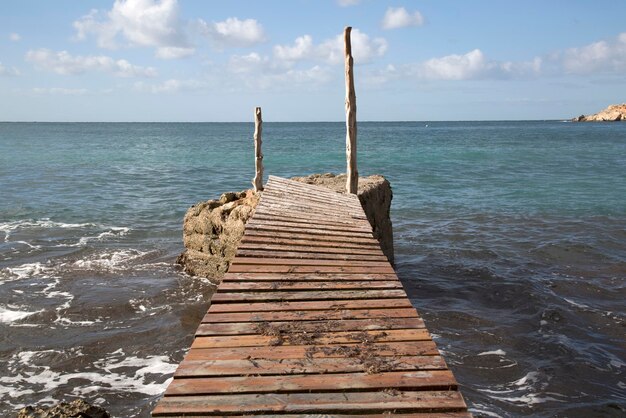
[613,113]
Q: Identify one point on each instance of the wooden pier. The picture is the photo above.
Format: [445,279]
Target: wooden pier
[311,320]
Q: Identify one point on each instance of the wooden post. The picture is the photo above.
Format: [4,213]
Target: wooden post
[258,155]
[352,183]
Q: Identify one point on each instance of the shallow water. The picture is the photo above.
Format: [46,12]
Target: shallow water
[510,240]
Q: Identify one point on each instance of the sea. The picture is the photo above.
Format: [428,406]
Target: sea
[510,240]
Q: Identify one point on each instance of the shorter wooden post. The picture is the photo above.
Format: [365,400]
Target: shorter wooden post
[257,182]
[352,183]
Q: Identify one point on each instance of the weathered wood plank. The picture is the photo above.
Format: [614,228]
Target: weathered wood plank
[389,349]
[263,239]
[311,306]
[316,402]
[230,287]
[320,251]
[239,268]
[286,253]
[216,368]
[370,240]
[311,230]
[243,328]
[306,222]
[339,314]
[300,338]
[304,277]
[432,379]
[241,261]
[276,212]
[231,297]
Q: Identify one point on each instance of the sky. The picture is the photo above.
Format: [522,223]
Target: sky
[210,61]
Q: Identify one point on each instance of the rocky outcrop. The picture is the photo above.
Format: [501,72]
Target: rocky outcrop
[212,229]
[613,113]
[375,195]
[75,409]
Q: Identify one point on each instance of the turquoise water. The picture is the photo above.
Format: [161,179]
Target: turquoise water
[510,239]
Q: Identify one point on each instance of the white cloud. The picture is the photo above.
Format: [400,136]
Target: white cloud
[8,72]
[64,63]
[331,50]
[146,23]
[602,56]
[170,86]
[346,3]
[239,64]
[257,71]
[15,37]
[398,17]
[302,49]
[233,32]
[173,52]
[59,91]
[455,67]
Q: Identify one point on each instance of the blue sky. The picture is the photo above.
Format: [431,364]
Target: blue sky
[168,60]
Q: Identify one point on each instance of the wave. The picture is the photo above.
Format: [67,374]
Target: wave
[111,260]
[9,227]
[9,316]
[28,374]
[25,271]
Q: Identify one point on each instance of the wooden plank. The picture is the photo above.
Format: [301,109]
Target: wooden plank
[318,200]
[317,238]
[287,253]
[311,337]
[310,190]
[306,277]
[231,297]
[328,403]
[268,219]
[310,306]
[264,239]
[242,261]
[346,415]
[216,368]
[276,212]
[432,380]
[247,246]
[318,190]
[340,314]
[312,229]
[389,349]
[244,328]
[319,286]
[291,192]
[316,209]
[295,196]
[239,268]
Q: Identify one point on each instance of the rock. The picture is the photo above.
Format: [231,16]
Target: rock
[212,229]
[75,409]
[613,113]
[375,195]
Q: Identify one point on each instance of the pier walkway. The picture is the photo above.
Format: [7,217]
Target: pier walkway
[311,319]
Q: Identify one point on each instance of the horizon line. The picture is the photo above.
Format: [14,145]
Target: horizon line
[301,121]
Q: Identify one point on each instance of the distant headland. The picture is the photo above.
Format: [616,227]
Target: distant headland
[613,113]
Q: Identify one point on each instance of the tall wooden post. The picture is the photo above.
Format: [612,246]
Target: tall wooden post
[258,155]
[352,183]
